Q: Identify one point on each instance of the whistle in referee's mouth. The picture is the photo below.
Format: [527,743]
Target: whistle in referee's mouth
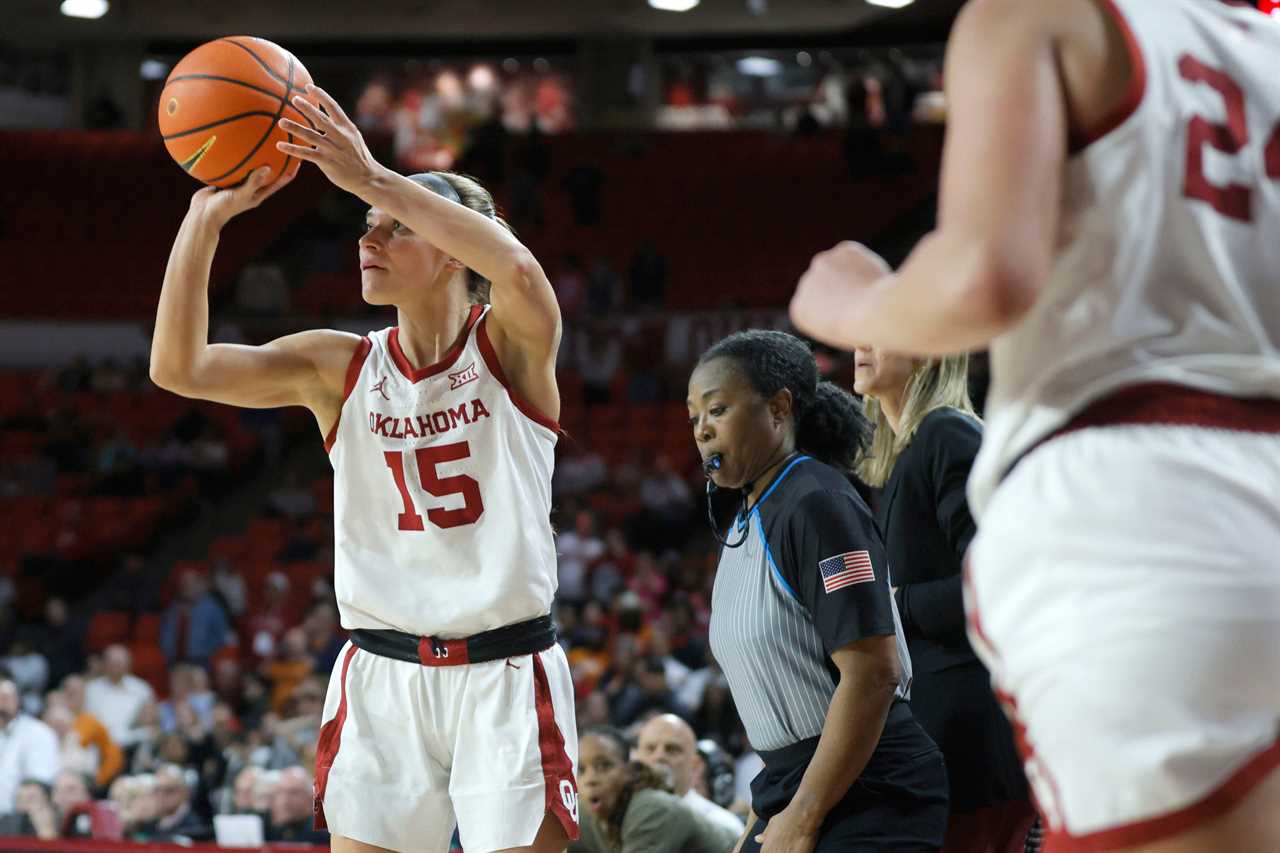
[713,463]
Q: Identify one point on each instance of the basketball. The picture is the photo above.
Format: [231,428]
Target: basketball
[219,107]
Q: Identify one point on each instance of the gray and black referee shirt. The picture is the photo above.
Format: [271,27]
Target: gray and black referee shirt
[810,578]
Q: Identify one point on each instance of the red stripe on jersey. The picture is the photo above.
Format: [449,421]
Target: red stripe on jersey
[490,356]
[353,373]
[327,744]
[557,769]
[446,361]
[1137,84]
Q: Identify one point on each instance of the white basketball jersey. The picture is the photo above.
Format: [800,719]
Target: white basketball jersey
[442,492]
[1168,266]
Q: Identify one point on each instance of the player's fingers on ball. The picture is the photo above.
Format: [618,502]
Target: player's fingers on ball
[310,109]
[301,131]
[330,105]
[302,152]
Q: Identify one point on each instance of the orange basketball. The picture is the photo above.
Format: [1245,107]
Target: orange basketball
[220,105]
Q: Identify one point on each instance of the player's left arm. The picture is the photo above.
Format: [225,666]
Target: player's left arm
[981,270]
[525,320]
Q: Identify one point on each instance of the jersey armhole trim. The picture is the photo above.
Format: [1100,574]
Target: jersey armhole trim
[1137,85]
[490,356]
[353,373]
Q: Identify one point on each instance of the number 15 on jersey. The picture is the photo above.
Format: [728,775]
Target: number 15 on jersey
[428,458]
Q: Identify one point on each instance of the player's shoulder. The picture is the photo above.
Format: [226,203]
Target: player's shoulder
[987,20]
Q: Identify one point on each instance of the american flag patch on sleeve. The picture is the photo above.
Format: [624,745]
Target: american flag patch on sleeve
[846,569]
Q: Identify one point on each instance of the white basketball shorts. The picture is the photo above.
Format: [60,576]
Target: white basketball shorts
[407,751]
[1124,590]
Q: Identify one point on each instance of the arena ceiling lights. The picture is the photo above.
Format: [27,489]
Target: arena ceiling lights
[84,8]
[673,5]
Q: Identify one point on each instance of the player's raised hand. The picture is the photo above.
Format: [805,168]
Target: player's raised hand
[218,206]
[333,143]
[825,299]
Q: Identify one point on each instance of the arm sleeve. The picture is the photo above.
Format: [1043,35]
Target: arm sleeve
[936,608]
[848,603]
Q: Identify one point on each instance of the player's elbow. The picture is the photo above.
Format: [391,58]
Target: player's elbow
[1003,284]
[167,377]
[520,269]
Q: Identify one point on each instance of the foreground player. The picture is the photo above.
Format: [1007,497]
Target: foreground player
[1109,218]
[453,702]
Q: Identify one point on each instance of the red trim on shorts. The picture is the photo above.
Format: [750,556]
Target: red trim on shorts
[1137,84]
[490,356]
[557,769]
[1021,739]
[1216,803]
[446,361]
[353,373]
[327,744]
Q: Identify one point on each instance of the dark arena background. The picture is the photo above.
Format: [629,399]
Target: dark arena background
[166,566]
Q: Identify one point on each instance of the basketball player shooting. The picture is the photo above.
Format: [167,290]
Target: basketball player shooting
[452,702]
[1108,223]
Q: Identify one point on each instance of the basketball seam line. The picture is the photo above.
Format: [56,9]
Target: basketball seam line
[284,101]
[220,121]
[258,59]
[223,80]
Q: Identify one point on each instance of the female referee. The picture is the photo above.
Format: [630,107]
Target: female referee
[926,437]
[452,702]
[802,622]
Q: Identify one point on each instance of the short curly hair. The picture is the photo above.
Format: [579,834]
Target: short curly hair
[830,425]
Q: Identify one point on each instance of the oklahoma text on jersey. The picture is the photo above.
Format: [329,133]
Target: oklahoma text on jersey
[442,492]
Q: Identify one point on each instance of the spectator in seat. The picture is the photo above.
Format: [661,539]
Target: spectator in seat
[275,615]
[116,697]
[59,638]
[28,747]
[33,814]
[628,807]
[188,685]
[242,790]
[91,731]
[175,815]
[70,798]
[292,803]
[290,668]
[667,743]
[194,625]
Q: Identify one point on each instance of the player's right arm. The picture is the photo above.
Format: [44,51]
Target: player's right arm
[304,369]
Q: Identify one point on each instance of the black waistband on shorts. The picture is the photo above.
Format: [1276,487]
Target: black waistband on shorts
[522,638]
[1166,404]
[798,754]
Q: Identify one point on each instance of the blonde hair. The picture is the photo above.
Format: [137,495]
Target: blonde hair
[479,199]
[936,383]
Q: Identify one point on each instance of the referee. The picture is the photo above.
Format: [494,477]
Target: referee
[802,621]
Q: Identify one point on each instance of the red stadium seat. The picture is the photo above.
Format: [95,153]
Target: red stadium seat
[107,627]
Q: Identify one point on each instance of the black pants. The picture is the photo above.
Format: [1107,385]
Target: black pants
[898,804]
